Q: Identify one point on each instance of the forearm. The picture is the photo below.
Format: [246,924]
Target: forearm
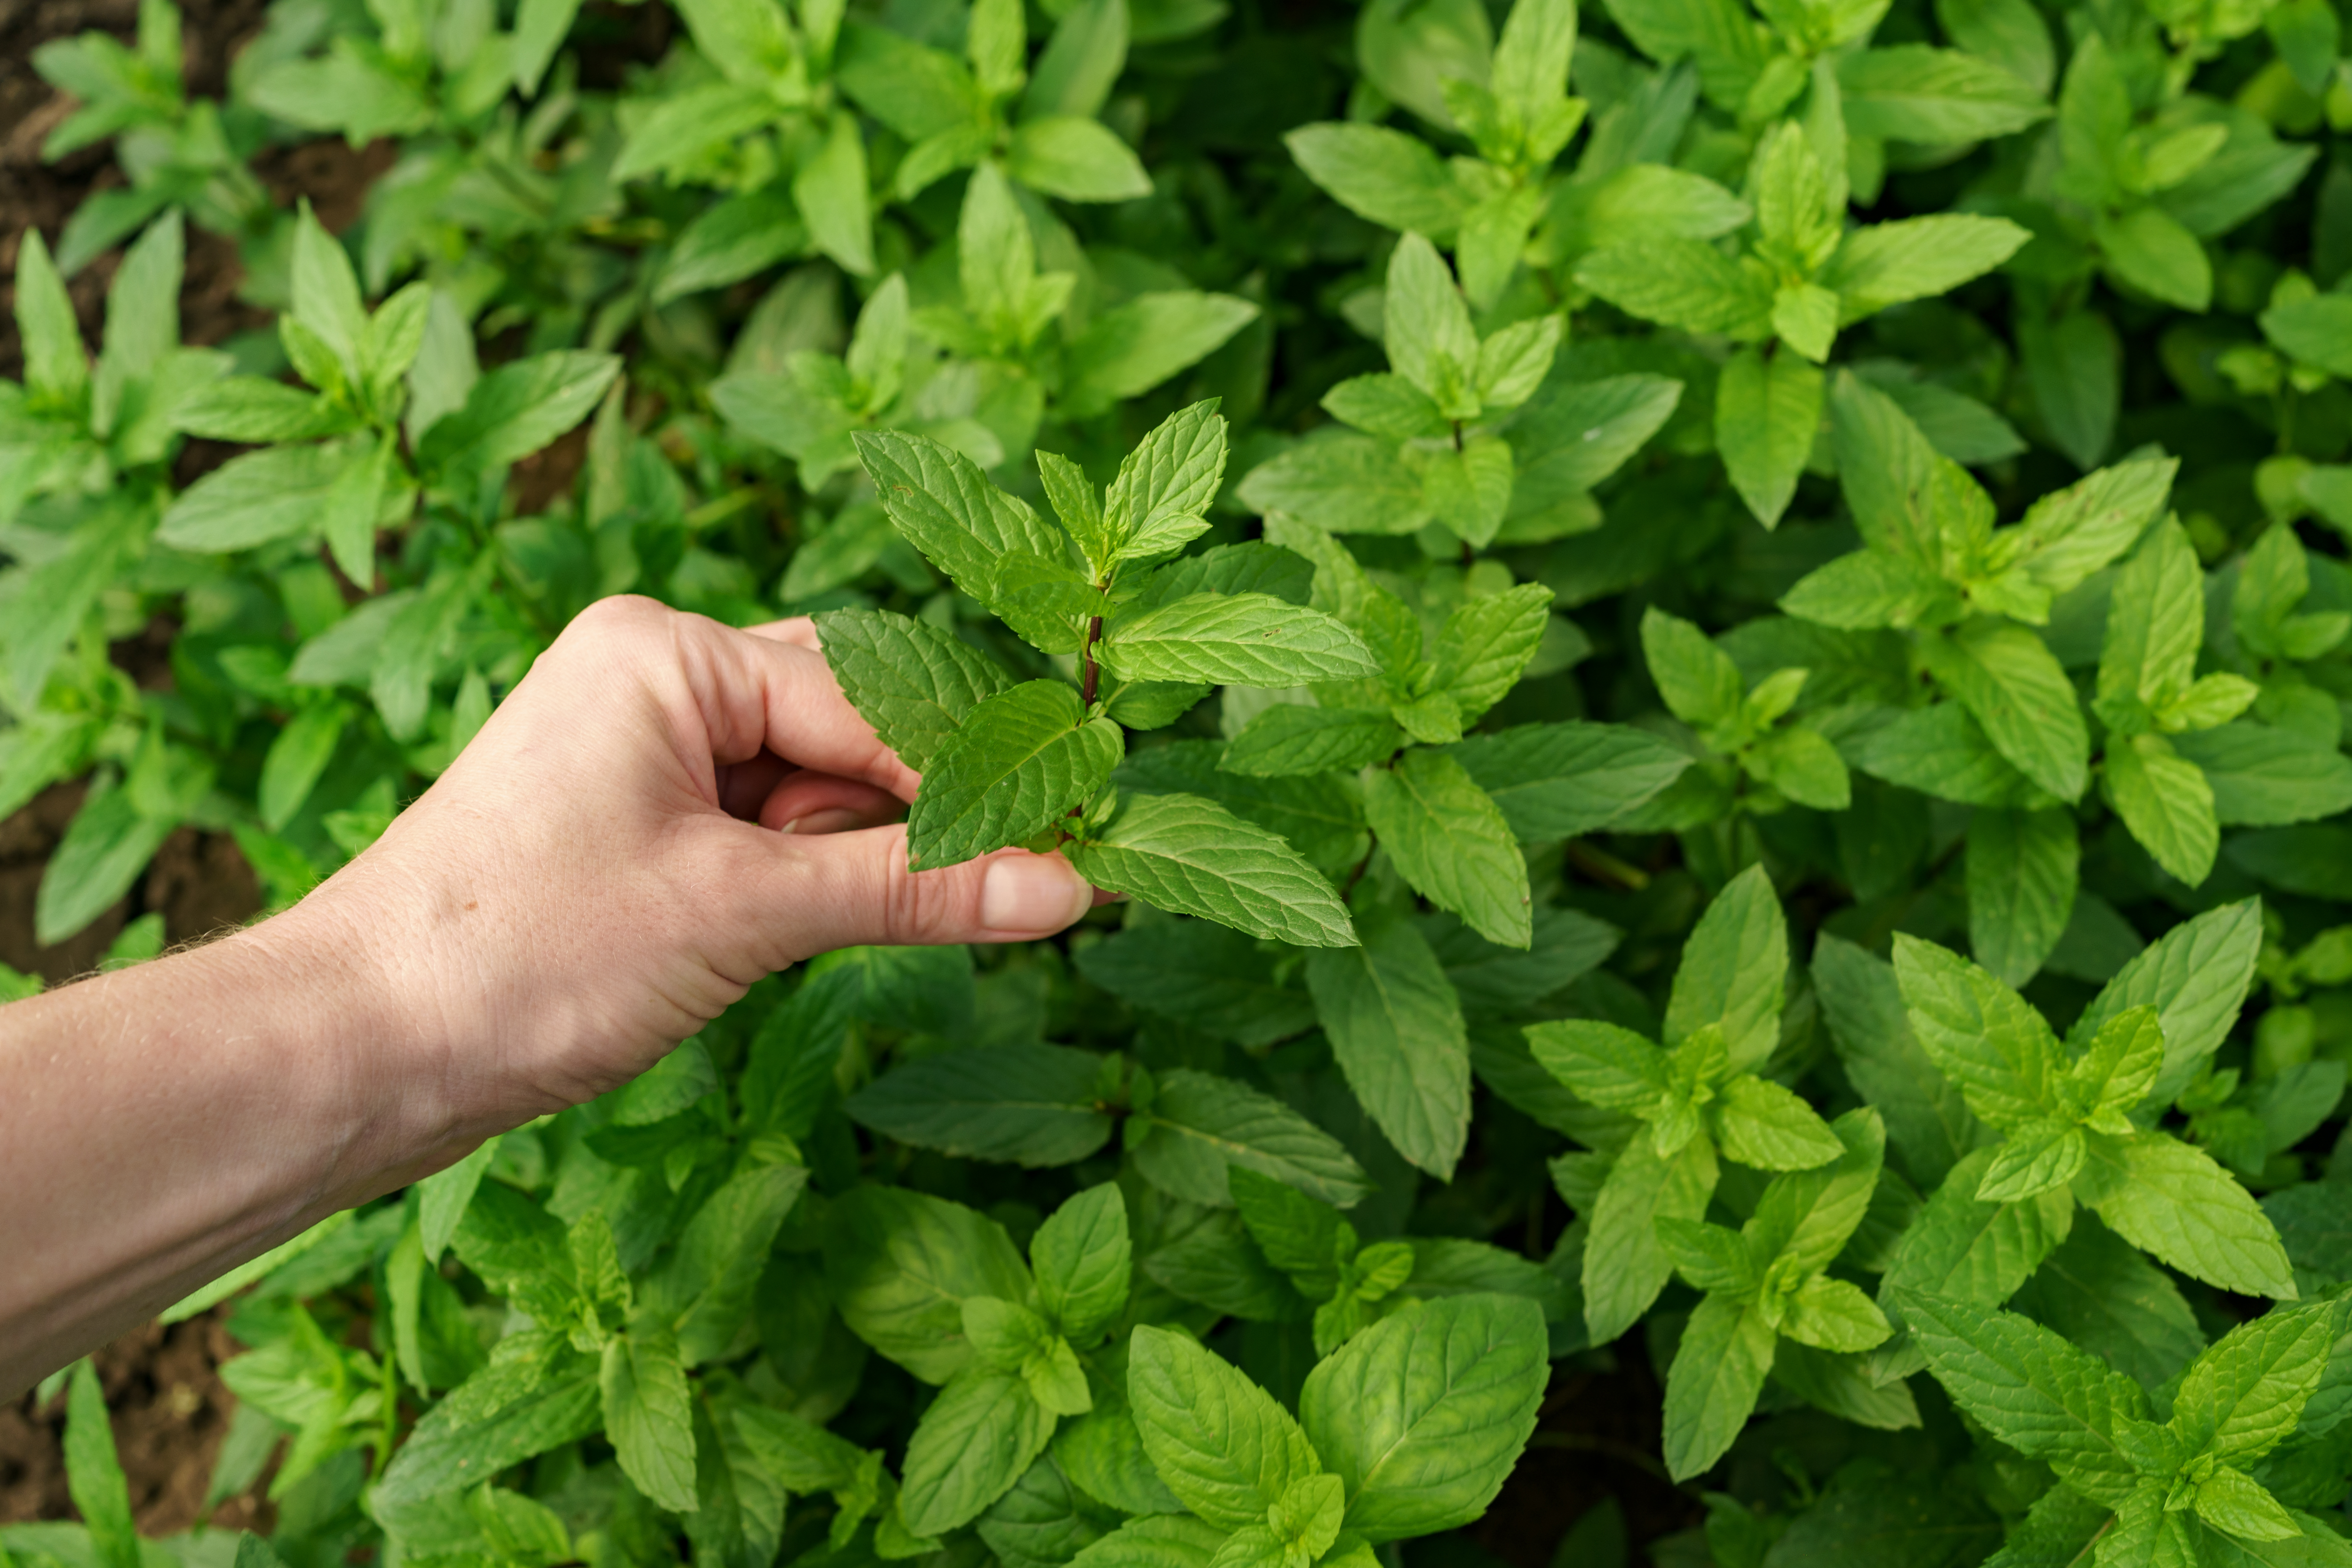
[162,1124]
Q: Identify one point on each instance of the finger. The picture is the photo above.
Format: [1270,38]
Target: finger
[853,889]
[819,802]
[800,630]
[744,787]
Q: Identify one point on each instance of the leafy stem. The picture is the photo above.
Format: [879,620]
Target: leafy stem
[1093,677]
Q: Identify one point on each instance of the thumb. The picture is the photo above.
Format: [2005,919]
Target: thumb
[854,890]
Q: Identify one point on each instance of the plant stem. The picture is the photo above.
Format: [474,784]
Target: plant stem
[1086,654]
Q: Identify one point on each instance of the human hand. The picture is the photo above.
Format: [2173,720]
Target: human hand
[663,811]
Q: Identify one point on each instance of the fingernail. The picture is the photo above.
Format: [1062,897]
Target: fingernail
[832,819]
[1033,892]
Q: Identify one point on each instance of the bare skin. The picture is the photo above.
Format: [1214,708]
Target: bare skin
[662,812]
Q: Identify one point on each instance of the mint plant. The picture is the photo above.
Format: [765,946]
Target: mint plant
[1709,641]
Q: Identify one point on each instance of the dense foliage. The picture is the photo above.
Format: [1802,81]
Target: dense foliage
[1714,646]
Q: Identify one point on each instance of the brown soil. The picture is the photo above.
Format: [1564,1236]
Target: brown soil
[169,1413]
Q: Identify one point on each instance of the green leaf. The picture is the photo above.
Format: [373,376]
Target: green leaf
[1718,1370]
[1555,780]
[1426,328]
[1132,348]
[1384,175]
[1450,840]
[1289,740]
[1607,1066]
[2196,976]
[1803,1220]
[2165,802]
[1160,1540]
[2022,877]
[535,1394]
[2032,1390]
[1190,856]
[1204,974]
[1082,1257]
[1917,258]
[2101,1294]
[1683,283]
[109,842]
[1076,158]
[1219,1441]
[2008,680]
[972,1443]
[1321,816]
[1201,1126]
[1249,639]
[2243,1397]
[1701,685]
[1979,1033]
[94,1473]
[1973,1251]
[2266,777]
[1910,92]
[900,1264]
[2167,1198]
[947,509]
[2149,251]
[254,499]
[56,365]
[2234,1502]
[1017,764]
[831,191]
[1028,1104]
[516,409]
[1624,1266]
[1161,498]
[1422,1415]
[912,681]
[1766,413]
[1396,1028]
[1341,482]
[1734,967]
[1760,1123]
[648,1417]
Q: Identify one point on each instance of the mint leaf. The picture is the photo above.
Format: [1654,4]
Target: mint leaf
[2166,1198]
[1031,1105]
[1161,498]
[913,682]
[648,1417]
[1766,413]
[1249,639]
[2007,678]
[1719,1370]
[1450,840]
[1288,739]
[1981,1034]
[1200,1127]
[1485,644]
[2243,1397]
[1423,1415]
[1928,1119]
[2196,976]
[1219,1441]
[1396,1028]
[1193,856]
[972,1443]
[1082,1257]
[1018,761]
[945,506]
[1734,968]
[1625,1265]
[2021,876]
[2033,1390]
[1207,976]
[899,1264]
[1555,780]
